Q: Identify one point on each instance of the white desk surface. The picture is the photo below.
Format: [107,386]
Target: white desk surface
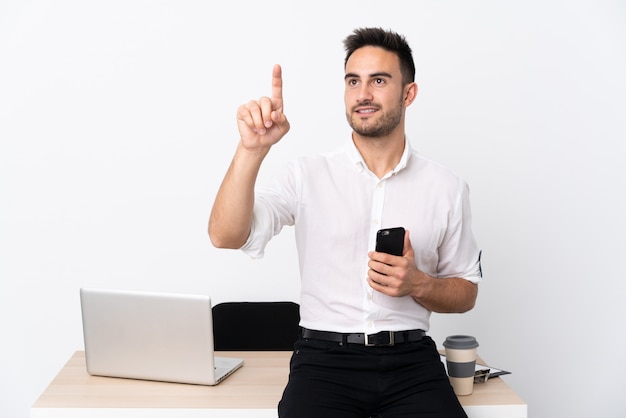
[252,391]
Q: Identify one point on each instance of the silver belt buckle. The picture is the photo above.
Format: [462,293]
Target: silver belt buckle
[373,344]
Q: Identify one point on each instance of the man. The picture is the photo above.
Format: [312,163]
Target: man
[363,350]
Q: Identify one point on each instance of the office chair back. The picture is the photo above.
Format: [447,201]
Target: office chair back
[256,326]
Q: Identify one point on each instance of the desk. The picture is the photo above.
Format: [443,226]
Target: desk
[252,391]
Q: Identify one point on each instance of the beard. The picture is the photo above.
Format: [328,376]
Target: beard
[382,126]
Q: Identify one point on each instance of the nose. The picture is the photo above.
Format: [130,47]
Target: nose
[364,93]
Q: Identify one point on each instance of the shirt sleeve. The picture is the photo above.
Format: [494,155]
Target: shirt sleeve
[274,207]
[459,255]
[260,232]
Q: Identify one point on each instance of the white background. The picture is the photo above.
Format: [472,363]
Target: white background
[117,125]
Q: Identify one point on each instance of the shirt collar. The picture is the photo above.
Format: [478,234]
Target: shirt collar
[357,159]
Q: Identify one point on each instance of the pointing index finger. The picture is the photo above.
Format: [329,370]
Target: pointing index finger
[277,86]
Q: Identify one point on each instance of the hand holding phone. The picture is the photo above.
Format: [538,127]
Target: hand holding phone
[390,240]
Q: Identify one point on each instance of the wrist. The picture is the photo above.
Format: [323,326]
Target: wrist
[253,153]
[422,286]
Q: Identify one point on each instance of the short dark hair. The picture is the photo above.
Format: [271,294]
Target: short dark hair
[386,39]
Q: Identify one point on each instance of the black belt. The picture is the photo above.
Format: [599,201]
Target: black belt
[379,339]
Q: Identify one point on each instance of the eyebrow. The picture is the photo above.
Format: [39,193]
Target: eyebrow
[374,75]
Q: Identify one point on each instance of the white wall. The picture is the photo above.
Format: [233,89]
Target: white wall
[117,124]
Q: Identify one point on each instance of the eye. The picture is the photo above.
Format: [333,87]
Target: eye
[379,81]
[351,82]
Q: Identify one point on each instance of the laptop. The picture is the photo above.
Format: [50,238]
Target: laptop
[152,336]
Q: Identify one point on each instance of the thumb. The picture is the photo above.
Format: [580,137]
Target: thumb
[408,248]
[281,121]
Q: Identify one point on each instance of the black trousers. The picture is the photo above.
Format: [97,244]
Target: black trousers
[331,380]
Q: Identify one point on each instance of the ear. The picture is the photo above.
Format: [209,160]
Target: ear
[410,92]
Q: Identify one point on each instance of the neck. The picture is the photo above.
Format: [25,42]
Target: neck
[382,154]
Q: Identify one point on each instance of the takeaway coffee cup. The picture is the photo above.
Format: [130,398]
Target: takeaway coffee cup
[461,362]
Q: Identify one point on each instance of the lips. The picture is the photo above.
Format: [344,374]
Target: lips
[365,110]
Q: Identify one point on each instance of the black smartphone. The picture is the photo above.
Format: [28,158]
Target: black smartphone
[390,240]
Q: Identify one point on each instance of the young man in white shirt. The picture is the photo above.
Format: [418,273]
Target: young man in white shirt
[364,314]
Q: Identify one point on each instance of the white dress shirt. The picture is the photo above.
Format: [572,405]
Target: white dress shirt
[337,205]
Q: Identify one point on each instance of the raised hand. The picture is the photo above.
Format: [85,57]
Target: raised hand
[262,122]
